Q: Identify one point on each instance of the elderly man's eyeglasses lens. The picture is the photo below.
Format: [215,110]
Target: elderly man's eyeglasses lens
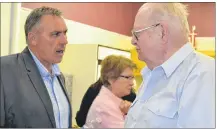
[135,33]
[127,77]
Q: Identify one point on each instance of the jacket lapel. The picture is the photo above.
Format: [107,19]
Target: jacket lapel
[62,83]
[38,83]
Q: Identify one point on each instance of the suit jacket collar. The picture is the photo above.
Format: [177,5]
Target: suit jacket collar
[38,84]
[43,70]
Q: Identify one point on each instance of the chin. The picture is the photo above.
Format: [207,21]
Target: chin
[141,58]
[127,93]
[57,61]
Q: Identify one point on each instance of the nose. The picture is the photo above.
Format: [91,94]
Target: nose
[133,41]
[132,82]
[63,39]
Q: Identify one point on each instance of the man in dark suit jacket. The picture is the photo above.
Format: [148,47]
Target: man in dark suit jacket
[28,98]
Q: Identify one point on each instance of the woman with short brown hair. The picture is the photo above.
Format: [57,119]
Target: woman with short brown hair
[117,78]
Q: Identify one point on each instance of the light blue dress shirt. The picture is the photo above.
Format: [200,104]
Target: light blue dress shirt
[59,101]
[180,93]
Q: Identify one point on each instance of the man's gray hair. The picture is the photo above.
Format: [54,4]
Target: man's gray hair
[35,16]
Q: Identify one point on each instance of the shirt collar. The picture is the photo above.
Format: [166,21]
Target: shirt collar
[43,70]
[106,92]
[173,62]
[176,59]
[145,71]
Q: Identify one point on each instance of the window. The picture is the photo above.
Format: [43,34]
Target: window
[106,51]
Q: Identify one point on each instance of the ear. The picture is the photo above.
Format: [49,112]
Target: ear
[111,81]
[164,32]
[32,38]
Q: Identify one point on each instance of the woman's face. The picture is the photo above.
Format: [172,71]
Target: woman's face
[123,84]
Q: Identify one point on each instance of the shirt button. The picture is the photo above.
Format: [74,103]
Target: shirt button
[134,124]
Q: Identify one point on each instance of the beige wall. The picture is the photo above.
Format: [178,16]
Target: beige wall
[80,60]
[79,33]
[5,27]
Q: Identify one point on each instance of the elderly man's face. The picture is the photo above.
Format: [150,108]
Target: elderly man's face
[50,39]
[148,44]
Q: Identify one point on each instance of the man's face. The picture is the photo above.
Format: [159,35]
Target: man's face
[148,44]
[50,39]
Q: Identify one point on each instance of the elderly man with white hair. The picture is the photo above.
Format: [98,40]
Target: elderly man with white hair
[178,88]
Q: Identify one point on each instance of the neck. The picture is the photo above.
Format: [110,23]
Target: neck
[165,55]
[46,64]
[113,91]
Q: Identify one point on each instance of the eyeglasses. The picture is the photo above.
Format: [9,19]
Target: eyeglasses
[127,77]
[135,33]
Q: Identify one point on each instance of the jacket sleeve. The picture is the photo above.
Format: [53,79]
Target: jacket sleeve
[2,110]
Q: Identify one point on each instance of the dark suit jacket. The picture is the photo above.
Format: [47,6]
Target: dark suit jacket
[25,101]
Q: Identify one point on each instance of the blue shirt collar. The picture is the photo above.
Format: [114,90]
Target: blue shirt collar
[43,71]
[176,59]
[173,62]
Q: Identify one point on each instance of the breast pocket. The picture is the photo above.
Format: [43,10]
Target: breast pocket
[161,112]
[163,107]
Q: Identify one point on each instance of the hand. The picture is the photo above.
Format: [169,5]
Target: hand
[125,106]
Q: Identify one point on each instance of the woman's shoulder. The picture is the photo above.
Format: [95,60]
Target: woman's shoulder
[102,100]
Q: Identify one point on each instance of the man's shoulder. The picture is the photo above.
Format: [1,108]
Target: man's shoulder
[205,63]
[8,59]
[198,62]
[13,57]
[9,56]
[198,66]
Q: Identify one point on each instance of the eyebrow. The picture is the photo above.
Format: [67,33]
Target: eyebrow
[65,31]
